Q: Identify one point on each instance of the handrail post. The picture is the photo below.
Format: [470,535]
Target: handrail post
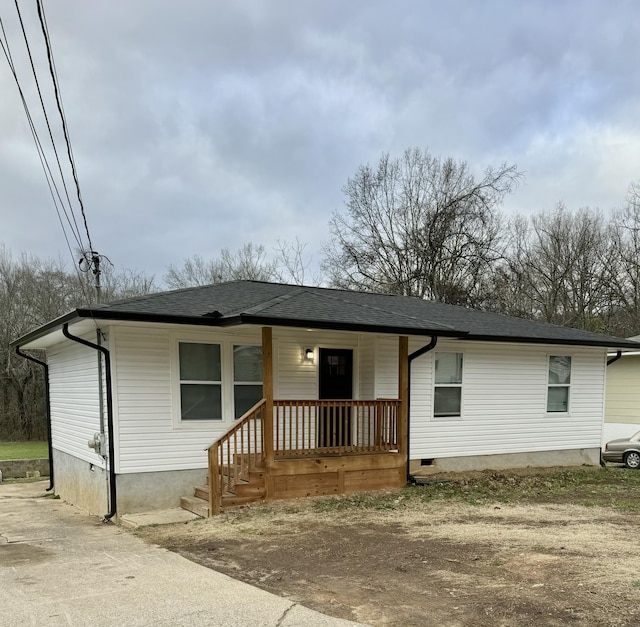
[214,481]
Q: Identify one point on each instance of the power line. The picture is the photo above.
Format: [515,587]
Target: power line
[41,154]
[46,117]
[43,158]
[90,257]
[45,33]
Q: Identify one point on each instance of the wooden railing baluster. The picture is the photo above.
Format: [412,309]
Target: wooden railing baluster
[317,427]
[232,456]
[302,428]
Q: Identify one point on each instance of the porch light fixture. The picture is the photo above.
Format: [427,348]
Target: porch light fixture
[308,354]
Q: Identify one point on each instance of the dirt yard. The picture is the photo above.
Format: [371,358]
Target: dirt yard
[533,548]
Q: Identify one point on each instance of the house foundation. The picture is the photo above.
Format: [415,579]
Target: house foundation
[146,491]
[81,483]
[505,461]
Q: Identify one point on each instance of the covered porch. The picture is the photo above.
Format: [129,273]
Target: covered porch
[290,448]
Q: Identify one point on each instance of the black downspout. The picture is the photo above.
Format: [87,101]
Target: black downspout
[107,367]
[48,409]
[613,359]
[421,351]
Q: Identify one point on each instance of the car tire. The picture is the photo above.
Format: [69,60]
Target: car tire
[632,459]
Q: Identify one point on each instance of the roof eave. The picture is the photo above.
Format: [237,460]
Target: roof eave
[118,316]
[554,341]
[45,329]
[343,326]
[240,319]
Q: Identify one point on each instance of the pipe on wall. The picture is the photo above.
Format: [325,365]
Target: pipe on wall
[614,359]
[45,366]
[107,364]
[421,351]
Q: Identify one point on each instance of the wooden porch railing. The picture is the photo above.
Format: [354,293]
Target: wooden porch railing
[317,427]
[302,428]
[234,454]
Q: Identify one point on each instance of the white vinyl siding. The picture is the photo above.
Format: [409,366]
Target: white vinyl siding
[367,367]
[504,393]
[505,402]
[387,367]
[150,434]
[295,377]
[75,408]
[147,400]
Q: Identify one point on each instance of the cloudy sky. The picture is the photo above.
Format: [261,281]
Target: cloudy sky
[200,125]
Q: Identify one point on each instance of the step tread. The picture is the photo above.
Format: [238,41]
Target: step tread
[198,506]
[201,492]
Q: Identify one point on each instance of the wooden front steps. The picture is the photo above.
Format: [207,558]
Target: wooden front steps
[296,478]
[194,504]
[242,493]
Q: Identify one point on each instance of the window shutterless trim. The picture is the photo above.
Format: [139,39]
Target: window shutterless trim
[566,386]
[211,382]
[448,415]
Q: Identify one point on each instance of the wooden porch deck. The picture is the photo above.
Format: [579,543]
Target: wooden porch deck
[360,453]
[294,448]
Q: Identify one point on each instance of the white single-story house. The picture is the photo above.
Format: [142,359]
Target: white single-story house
[249,390]
[622,408]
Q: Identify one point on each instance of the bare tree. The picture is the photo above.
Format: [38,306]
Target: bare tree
[419,225]
[511,294]
[292,266]
[250,262]
[32,292]
[623,267]
[247,263]
[557,269]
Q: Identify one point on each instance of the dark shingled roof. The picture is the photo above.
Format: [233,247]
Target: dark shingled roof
[274,304]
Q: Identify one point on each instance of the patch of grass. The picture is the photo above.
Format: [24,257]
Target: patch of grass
[614,487]
[23,450]
[24,479]
[636,583]
[608,487]
[363,500]
[631,506]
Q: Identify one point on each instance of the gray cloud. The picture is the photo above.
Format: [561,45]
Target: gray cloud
[206,125]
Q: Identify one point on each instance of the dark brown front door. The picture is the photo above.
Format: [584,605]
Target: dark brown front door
[336,383]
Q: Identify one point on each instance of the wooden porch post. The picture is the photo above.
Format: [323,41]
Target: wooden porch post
[267,392]
[403,393]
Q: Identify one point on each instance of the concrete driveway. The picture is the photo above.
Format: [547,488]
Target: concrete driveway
[59,566]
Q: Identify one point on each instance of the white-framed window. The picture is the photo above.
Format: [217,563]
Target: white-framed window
[447,391]
[247,377]
[200,367]
[559,383]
